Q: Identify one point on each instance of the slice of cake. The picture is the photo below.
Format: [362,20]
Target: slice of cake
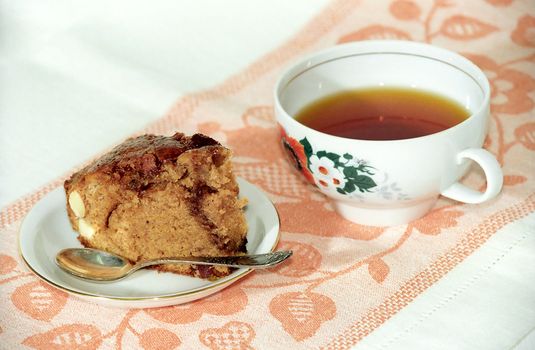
[157,196]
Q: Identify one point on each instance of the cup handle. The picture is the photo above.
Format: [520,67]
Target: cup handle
[492,171]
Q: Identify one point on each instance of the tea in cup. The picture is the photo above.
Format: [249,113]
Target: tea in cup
[385,127]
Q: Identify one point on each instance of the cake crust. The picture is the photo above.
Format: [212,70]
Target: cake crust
[138,160]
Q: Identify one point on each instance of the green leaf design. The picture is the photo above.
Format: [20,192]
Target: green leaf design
[365,169]
[350,172]
[321,154]
[349,187]
[364,183]
[354,176]
[333,156]
[307,147]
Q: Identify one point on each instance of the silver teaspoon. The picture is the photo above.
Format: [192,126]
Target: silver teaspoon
[98,265]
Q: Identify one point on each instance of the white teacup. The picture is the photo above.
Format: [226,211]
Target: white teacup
[386,183]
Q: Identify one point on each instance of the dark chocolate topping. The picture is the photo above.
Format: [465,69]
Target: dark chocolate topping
[137,160]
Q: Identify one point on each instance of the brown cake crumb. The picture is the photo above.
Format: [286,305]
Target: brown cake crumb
[157,196]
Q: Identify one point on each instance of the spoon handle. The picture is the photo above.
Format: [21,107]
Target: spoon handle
[257,261]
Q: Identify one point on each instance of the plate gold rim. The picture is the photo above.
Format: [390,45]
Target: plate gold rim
[148,299]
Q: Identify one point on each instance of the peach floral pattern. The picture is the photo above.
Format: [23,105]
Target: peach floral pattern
[305,260]
[159,339]
[523,34]
[510,88]
[301,314]
[7,264]
[436,221]
[378,270]
[228,302]
[38,300]
[500,2]
[513,180]
[405,10]
[73,336]
[465,28]
[233,335]
[309,302]
[325,224]
[525,134]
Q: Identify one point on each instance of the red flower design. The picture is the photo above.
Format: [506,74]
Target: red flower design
[296,153]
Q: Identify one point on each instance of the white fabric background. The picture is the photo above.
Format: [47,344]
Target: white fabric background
[76,78]
[487,302]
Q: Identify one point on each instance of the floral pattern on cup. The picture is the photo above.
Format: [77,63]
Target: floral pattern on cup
[344,173]
[296,154]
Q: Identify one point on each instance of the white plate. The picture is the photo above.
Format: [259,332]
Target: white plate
[46,230]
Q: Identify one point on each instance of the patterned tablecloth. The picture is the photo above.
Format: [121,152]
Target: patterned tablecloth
[345,280]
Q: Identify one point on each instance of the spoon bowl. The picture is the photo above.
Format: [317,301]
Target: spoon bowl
[98,265]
